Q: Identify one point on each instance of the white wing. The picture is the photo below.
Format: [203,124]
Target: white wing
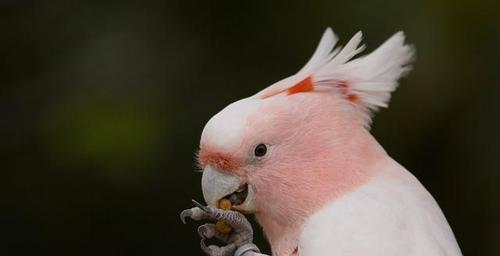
[391,216]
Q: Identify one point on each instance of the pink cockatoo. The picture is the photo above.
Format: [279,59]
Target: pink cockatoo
[299,155]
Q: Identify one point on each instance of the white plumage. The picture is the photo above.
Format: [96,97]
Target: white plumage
[368,203]
[371,77]
[392,215]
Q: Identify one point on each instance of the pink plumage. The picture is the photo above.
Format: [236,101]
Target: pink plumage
[325,186]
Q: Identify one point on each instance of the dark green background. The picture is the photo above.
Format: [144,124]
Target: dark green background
[102,105]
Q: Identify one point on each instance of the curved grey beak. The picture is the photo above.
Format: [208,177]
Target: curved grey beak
[216,185]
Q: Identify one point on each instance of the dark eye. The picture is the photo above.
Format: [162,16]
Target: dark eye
[260,150]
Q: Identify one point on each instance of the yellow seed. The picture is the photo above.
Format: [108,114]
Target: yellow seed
[223,227]
[225,204]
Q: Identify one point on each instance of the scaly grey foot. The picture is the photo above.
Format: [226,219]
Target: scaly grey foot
[241,236]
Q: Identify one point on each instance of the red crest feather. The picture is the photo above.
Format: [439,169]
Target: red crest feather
[305,85]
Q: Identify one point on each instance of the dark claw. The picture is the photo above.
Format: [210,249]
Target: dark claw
[204,208]
[203,231]
[204,247]
[184,214]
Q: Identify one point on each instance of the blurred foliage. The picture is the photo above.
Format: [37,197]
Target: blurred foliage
[102,104]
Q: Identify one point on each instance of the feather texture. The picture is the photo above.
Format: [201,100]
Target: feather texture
[323,53]
[367,81]
[391,215]
[326,187]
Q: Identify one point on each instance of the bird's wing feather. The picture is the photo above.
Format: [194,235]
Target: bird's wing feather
[391,216]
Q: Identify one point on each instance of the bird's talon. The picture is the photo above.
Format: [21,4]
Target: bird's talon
[204,247]
[242,232]
[206,231]
[199,205]
[184,214]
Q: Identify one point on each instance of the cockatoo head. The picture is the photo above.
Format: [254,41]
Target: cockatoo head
[303,141]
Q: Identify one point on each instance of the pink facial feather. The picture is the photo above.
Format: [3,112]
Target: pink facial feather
[315,123]
[326,154]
